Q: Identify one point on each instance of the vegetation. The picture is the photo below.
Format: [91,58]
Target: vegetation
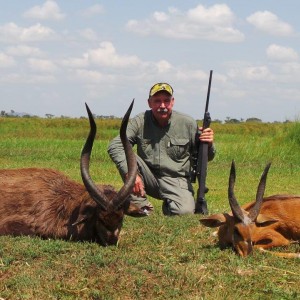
[158,257]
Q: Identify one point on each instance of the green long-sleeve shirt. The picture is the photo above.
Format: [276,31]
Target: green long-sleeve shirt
[166,150]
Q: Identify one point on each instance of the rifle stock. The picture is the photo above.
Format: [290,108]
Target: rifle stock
[202,160]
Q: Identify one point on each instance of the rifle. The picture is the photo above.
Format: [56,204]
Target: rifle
[201,167]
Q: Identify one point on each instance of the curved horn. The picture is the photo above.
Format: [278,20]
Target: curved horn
[253,213]
[235,208]
[92,189]
[131,163]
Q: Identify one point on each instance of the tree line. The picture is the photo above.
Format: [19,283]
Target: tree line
[228,120]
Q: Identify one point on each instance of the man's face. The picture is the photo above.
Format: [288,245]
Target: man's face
[161,105]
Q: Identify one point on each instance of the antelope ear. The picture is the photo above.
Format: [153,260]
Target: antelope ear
[263,220]
[214,220]
[245,212]
[80,220]
[85,213]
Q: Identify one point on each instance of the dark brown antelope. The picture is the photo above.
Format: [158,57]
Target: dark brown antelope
[46,203]
[267,222]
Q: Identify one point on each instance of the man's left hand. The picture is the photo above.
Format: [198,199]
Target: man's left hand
[206,136]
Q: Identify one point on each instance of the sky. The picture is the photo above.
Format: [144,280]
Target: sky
[57,55]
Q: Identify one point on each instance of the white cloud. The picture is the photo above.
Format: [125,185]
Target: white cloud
[281,53]
[252,73]
[163,66]
[187,75]
[293,69]
[42,65]
[75,62]
[215,23]
[11,32]
[93,10]
[48,11]
[89,34]
[160,17]
[216,15]
[24,50]
[270,23]
[89,76]
[14,78]
[258,73]
[6,61]
[106,55]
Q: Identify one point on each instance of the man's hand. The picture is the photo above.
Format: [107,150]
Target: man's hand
[138,188]
[207,135]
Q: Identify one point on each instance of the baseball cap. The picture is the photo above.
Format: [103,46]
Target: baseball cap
[161,86]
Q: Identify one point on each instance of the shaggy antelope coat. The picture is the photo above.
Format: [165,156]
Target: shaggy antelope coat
[46,203]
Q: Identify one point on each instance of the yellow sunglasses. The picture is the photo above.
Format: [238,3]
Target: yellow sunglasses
[160,87]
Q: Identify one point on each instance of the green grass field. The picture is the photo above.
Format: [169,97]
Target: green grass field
[157,257]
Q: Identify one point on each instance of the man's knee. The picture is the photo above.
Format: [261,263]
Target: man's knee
[172,208]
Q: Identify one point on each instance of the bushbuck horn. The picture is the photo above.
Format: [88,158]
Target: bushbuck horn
[89,184]
[131,162]
[253,213]
[91,187]
[235,207]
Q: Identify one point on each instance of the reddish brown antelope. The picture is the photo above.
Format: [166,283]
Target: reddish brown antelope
[267,222]
[46,203]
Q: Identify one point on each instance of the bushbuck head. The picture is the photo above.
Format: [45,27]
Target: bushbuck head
[46,203]
[236,229]
[265,223]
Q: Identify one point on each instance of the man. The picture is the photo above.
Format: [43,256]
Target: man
[166,143]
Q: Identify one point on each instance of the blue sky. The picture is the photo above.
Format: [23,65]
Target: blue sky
[57,55]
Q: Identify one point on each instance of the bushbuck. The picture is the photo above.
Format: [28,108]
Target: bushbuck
[46,203]
[267,222]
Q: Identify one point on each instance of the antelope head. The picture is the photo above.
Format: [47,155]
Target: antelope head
[235,228]
[111,205]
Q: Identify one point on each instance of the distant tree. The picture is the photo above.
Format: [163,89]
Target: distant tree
[232,121]
[254,120]
[49,116]
[3,113]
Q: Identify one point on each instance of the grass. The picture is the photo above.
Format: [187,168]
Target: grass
[158,257]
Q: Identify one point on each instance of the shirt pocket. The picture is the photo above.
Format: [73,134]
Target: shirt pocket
[178,148]
[145,148]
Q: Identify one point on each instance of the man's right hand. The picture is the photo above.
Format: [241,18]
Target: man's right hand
[138,188]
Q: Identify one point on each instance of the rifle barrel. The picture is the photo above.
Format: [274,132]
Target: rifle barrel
[208,91]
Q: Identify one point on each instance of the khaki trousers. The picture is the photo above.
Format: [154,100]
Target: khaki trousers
[177,194]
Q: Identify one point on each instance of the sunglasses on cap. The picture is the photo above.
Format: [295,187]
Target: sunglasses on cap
[160,87]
